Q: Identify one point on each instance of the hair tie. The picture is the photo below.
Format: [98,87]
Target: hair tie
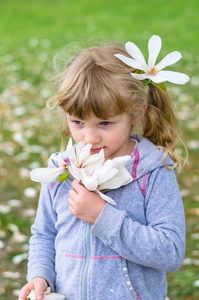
[148,81]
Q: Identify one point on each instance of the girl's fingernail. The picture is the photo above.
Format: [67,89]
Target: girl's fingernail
[39,297]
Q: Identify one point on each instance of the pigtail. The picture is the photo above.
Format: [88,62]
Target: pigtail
[160,124]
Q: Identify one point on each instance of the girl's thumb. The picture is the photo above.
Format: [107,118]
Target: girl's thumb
[40,286]
[39,294]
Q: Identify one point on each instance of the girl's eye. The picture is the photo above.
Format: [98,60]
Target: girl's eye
[105,123]
[78,122]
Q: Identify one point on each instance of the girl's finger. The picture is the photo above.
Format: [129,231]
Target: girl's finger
[72,193]
[78,186]
[25,291]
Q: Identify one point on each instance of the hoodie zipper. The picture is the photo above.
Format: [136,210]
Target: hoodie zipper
[88,257]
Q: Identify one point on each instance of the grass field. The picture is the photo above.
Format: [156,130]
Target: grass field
[31,33]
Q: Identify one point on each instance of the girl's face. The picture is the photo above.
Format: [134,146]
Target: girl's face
[112,135]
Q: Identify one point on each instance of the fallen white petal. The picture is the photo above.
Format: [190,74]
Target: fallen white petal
[195,236]
[30,212]
[14,203]
[12,275]
[16,293]
[13,227]
[30,192]
[18,237]
[4,209]
[2,244]
[196,283]
[19,258]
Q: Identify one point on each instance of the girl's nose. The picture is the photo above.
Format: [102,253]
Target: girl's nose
[91,137]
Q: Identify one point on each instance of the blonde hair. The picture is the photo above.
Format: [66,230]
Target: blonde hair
[97,82]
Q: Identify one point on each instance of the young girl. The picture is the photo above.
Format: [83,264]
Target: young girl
[82,246]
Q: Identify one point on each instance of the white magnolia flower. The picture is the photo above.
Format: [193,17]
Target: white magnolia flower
[92,171]
[48,295]
[81,159]
[152,71]
[47,175]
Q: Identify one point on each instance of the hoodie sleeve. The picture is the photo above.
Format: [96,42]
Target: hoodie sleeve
[161,243]
[42,242]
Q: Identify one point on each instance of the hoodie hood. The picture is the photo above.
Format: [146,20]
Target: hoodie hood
[146,157]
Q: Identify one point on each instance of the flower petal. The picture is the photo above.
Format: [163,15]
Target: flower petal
[84,154]
[135,52]
[106,198]
[154,46]
[105,174]
[71,152]
[95,158]
[157,78]
[130,62]
[46,175]
[174,77]
[118,160]
[78,148]
[123,177]
[74,171]
[91,183]
[140,76]
[168,60]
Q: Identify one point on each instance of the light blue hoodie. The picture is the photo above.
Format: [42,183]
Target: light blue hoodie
[131,246]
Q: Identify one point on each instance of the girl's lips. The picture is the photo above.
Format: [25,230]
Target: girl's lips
[96,150]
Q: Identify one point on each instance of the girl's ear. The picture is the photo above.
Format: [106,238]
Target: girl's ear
[140,116]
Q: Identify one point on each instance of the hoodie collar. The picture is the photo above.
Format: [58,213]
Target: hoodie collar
[146,157]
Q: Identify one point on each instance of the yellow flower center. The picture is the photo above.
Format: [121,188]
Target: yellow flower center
[152,71]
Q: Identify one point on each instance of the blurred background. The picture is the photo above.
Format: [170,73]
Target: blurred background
[31,33]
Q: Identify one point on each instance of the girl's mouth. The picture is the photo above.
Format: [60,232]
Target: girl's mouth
[96,150]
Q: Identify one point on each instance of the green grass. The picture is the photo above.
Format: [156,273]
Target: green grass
[31,33]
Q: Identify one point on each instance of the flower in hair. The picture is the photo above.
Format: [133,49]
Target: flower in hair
[92,171]
[153,72]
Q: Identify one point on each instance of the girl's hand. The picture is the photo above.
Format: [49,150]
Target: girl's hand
[84,204]
[38,285]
